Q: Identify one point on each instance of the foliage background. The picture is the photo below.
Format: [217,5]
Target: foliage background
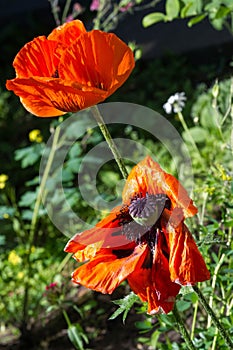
[40,299]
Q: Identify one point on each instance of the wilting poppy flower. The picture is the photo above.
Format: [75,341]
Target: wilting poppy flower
[144,241]
[70,70]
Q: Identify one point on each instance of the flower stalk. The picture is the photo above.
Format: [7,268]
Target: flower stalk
[34,222]
[214,318]
[182,329]
[111,144]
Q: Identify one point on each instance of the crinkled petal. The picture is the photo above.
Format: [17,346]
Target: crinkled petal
[148,177]
[49,97]
[97,59]
[67,32]
[106,234]
[186,263]
[108,268]
[151,281]
[37,58]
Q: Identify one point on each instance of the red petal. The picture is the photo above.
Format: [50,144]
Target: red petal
[68,32]
[186,263]
[148,177]
[107,233]
[99,60]
[151,281]
[37,58]
[106,271]
[49,97]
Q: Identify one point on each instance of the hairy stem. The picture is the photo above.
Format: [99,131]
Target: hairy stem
[111,144]
[182,329]
[214,318]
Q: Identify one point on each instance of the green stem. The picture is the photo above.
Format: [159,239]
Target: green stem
[214,280]
[55,11]
[183,329]
[43,182]
[186,129]
[66,318]
[34,222]
[194,319]
[111,144]
[214,318]
[66,10]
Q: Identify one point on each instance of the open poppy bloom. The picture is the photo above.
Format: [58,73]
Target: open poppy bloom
[70,70]
[144,241]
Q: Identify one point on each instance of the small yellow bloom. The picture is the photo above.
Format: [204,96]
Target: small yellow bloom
[3,180]
[20,275]
[14,258]
[35,136]
[6,216]
[223,174]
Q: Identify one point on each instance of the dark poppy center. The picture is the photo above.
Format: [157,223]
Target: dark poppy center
[55,74]
[147,210]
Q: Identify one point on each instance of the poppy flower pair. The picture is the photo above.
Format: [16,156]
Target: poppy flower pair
[144,240]
[70,70]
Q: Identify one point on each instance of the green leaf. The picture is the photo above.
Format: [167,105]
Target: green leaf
[185,12]
[197,133]
[222,12]
[6,212]
[183,305]
[28,155]
[153,18]
[125,305]
[28,199]
[172,9]
[196,19]
[76,336]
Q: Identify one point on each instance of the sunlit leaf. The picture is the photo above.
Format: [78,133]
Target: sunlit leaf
[153,18]
[172,9]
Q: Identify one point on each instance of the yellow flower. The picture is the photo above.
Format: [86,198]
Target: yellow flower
[35,136]
[223,174]
[3,180]
[6,216]
[14,258]
[20,275]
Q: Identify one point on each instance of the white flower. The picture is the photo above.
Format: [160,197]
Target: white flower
[175,103]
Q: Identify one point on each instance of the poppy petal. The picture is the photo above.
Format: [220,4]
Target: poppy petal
[186,263]
[37,58]
[108,269]
[67,32]
[148,177]
[48,97]
[97,59]
[107,233]
[151,282]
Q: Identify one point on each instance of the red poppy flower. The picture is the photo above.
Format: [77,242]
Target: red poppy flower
[144,241]
[70,70]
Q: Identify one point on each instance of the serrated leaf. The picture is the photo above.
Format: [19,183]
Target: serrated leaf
[172,9]
[125,305]
[196,19]
[27,199]
[28,155]
[153,18]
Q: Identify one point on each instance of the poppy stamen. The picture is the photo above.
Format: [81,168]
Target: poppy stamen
[147,210]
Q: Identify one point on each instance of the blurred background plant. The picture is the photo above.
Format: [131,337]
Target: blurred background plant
[37,296]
